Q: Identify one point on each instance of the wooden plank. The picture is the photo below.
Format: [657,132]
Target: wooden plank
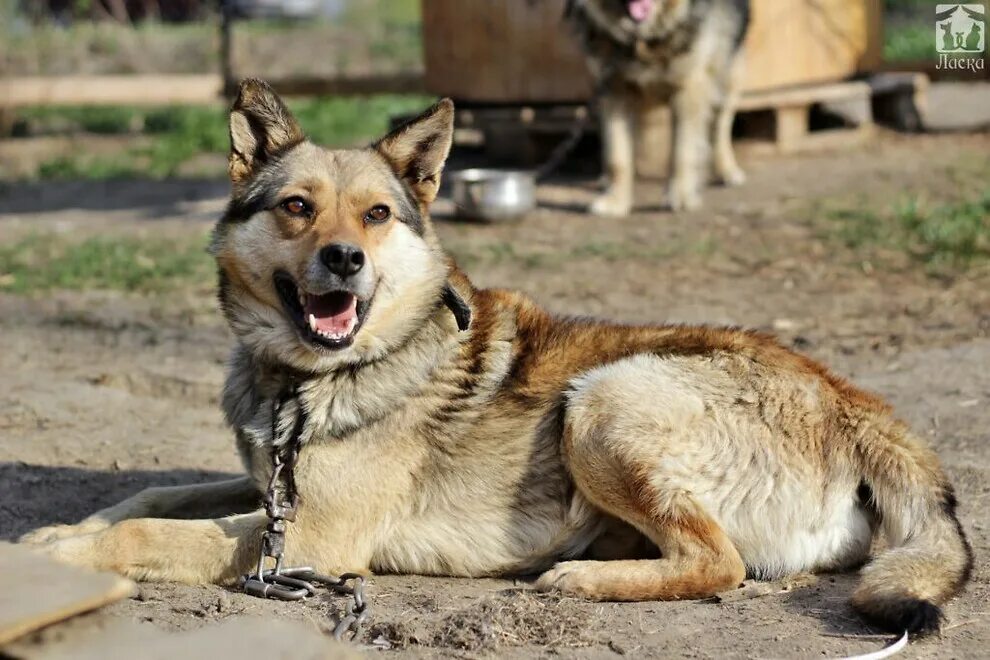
[150,90]
[111,90]
[802,95]
[834,139]
[39,591]
[792,127]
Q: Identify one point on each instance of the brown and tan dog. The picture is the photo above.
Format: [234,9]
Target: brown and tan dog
[625,463]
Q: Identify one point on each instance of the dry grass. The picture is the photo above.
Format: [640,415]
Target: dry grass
[508,619]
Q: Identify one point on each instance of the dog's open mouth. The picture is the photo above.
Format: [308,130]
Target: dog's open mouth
[639,10]
[328,319]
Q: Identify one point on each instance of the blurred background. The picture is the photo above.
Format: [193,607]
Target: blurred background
[72,116]
[270,39]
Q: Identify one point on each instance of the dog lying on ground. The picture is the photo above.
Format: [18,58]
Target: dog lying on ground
[622,463]
[646,53]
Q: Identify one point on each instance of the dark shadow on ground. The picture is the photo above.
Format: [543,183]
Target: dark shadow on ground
[564,207]
[827,601]
[35,495]
[149,199]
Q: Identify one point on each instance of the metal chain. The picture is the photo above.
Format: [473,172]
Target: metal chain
[583,115]
[281,501]
[567,145]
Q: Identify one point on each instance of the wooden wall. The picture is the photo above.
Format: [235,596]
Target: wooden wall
[520,51]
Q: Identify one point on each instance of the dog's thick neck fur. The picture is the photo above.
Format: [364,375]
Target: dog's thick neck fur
[359,393]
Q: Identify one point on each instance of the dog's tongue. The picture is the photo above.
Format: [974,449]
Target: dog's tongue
[331,314]
[639,10]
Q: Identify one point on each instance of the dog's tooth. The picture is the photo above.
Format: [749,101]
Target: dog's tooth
[302,298]
[312,323]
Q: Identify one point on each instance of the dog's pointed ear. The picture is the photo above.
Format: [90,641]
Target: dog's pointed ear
[260,127]
[417,150]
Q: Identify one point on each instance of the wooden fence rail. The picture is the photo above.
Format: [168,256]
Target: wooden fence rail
[190,89]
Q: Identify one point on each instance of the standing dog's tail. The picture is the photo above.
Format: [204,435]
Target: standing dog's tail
[928,559]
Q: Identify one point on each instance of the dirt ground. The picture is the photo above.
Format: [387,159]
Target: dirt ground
[102,393]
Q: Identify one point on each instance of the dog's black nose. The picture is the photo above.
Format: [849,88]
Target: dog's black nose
[342,258]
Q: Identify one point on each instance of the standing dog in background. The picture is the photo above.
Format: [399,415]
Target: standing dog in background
[645,53]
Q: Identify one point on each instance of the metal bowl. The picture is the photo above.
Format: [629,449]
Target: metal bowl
[486,194]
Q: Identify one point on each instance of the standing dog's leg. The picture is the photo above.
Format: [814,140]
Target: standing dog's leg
[691,109]
[221,497]
[618,156]
[192,551]
[726,168]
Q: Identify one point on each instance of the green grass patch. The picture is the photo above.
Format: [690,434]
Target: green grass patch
[40,262]
[909,43]
[943,236]
[179,134]
[503,252]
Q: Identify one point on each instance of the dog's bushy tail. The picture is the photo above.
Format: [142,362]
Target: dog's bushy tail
[928,559]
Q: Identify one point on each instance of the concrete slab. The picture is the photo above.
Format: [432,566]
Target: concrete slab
[958,106]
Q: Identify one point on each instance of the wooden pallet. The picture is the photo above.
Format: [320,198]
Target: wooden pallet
[789,112]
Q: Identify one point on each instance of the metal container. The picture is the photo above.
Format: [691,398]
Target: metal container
[492,195]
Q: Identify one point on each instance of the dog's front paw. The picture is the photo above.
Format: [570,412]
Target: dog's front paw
[75,550]
[53,533]
[683,196]
[611,205]
[574,578]
[733,177]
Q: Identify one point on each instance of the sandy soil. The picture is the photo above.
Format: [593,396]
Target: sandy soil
[102,394]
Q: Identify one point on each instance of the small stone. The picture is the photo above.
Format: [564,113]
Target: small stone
[784,325]
[223,602]
[616,647]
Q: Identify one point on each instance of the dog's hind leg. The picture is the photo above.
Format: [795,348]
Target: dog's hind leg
[621,432]
[727,170]
[153,549]
[202,500]
[698,560]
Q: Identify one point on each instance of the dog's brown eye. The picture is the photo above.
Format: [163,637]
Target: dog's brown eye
[379,213]
[295,206]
